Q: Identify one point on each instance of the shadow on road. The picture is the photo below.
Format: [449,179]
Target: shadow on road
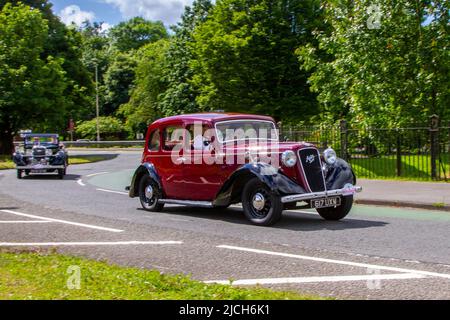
[296,221]
[51,176]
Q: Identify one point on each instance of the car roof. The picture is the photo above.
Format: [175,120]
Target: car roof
[212,117]
[43,135]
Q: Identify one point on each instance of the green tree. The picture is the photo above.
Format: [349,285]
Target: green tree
[110,128]
[245,57]
[65,44]
[388,73]
[150,85]
[180,95]
[136,33]
[32,86]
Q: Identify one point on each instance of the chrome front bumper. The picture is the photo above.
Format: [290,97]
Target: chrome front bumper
[347,191]
[37,168]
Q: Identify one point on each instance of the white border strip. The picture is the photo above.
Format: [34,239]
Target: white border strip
[24,222]
[341,262]
[96,174]
[266,281]
[85,244]
[112,191]
[62,221]
[80,182]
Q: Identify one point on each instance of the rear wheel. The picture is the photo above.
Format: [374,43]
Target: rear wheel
[149,194]
[261,206]
[338,213]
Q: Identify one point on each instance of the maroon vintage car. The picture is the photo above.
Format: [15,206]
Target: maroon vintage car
[215,160]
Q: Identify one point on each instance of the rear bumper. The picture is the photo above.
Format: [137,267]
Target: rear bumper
[347,191]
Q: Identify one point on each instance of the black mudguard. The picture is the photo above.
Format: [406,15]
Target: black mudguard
[339,174]
[144,169]
[278,182]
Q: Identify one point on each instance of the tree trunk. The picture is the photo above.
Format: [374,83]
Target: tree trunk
[6,142]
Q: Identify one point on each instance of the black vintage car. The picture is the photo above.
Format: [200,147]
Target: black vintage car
[41,154]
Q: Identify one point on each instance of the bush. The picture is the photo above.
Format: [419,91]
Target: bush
[110,129]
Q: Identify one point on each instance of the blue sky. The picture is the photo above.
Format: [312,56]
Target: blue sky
[113,11]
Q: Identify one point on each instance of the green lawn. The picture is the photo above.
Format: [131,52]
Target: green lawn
[41,276]
[414,167]
[7,163]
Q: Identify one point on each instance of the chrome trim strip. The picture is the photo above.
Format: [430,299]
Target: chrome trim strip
[200,204]
[317,195]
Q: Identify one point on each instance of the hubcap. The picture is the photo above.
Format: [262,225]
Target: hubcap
[259,202]
[149,192]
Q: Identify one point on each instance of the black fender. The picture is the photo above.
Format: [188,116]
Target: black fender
[279,183]
[19,160]
[60,159]
[339,174]
[144,169]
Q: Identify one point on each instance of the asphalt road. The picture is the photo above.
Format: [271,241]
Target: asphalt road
[376,253]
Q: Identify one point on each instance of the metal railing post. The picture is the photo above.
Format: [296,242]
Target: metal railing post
[434,145]
[399,154]
[344,139]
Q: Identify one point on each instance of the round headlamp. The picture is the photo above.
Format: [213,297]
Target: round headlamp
[330,156]
[48,152]
[289,159]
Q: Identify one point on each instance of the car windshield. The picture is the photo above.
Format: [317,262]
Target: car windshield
[38,140]
[230,131]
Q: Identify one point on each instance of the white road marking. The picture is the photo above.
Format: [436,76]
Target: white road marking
[90,226]
[96,174]
[341,262]
[24,222]
[83,244]
[112,191]
[80,182]
[252,282]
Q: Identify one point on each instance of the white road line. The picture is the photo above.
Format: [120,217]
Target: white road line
[85,244]
[112,191]
[96,174]
[24,222]
[80,182]
[341,262]
[252,282]
[90,226]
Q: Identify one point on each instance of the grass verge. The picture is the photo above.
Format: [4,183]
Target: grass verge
[7,163]
[45,276]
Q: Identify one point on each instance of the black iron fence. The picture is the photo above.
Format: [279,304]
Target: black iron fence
[419,152]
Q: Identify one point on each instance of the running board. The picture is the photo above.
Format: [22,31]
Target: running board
[200,204]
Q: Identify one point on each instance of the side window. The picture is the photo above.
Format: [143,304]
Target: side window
[173,136]
[154,141]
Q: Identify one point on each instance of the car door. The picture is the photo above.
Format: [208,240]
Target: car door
[203,176]
[171,167]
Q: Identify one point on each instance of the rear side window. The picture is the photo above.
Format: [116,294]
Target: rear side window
[173,137]
[154,141]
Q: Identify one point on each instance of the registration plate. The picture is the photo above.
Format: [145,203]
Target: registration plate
[326,203]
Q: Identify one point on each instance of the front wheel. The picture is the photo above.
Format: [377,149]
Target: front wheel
[338,213]
[61,173]
[149,194]
[261,206]
[19,174]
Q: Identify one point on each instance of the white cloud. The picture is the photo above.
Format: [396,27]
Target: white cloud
[105,27]
[74,14]
[169,11]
